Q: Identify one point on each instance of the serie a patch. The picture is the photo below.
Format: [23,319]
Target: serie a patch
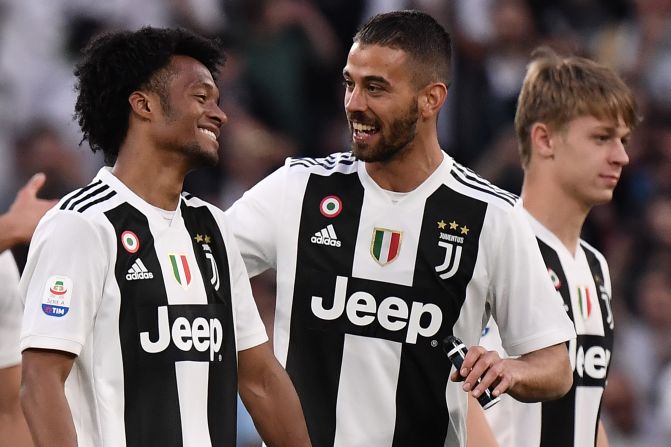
[57,295]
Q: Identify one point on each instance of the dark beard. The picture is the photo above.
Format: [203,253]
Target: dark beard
[403,131]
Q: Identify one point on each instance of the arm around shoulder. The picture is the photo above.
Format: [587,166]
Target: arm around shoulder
[270,397]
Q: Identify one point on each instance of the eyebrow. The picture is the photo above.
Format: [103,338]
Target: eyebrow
[369,79]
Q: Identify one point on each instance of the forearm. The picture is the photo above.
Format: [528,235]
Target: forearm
[43,397]
[540,375]
[601,438]
[48,415]
[276,410]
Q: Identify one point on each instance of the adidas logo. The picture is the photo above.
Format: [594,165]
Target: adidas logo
[138,271]
[326,236]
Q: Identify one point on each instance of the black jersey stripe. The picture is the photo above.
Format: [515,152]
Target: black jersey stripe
[97,201]
[314,345]
[471,175]
[458,177]
[214,266]
[151,402]
[329,162]
[79,192]
[88,196]
[422,415]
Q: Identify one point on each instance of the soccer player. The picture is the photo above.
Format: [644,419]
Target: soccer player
[574,118]
[383,251]
[16,227]
[139,322]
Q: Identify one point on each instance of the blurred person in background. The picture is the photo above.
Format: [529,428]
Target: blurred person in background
[16,227]
[574,120]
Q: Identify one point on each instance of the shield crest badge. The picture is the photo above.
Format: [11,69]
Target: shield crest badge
[385,245]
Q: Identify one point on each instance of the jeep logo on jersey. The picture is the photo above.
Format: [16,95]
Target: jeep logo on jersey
[385,245]
[590,361]
[392,313]
[197,334]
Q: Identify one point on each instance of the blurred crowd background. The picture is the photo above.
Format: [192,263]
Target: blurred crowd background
[282,90]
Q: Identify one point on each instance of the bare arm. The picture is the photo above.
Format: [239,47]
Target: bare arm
[43,397]
[12,423]
[540,375]
[479,433]
[19,222]
[601,437]
[270,398]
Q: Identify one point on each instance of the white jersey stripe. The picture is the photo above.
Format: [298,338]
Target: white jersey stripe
[193,402]
[359,409]
[588,400]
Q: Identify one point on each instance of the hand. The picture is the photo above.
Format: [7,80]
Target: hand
[26,210]
[486,366]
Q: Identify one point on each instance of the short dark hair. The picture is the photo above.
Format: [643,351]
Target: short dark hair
[115,64]
[418,34]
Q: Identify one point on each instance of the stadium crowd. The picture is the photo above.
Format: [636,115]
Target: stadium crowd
[282,90]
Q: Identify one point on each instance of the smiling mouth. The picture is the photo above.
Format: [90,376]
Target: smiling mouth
[209,133]
[360,130]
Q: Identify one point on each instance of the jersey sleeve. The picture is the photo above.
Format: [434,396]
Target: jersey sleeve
[62,282]
[252,219]
[10,311]
[528,310]
[249,329]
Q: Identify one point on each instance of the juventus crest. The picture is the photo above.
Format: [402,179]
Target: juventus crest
[452,240]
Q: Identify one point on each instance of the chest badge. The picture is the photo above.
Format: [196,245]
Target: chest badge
[181,270]
[450,237]
[385,245]
[584,302]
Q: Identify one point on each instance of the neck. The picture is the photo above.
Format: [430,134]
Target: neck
[154,176]
[559,213]
[409,169]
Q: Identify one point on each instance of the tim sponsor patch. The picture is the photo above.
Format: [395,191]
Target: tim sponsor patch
[57,295]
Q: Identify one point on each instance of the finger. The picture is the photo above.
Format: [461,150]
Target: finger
[502,386]
[472,356]
[480,369]
[456,377]
[490,379]
[35,183]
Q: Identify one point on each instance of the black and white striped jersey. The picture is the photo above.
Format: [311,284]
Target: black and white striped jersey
[369,282]
[154,304]
[583,282]
[10,311]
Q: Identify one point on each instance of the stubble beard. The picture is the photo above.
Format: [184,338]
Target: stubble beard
[403,131]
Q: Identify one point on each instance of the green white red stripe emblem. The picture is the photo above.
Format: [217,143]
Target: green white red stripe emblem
[181,270]
[385,245]
[584,302]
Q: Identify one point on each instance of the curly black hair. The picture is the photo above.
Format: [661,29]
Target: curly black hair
[115,64]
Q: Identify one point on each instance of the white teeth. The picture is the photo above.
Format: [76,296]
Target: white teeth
[209,133]
[362,127]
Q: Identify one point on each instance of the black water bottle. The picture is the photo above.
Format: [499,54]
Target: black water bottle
[456,352]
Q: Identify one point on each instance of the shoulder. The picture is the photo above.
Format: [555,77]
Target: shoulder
[97,196]
[339,162]
[467,182]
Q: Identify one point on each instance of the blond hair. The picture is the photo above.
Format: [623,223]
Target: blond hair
[559,89]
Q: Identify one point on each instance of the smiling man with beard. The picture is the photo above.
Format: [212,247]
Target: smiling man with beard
[384,251]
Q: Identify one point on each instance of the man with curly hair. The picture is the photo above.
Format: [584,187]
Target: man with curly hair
[139,324]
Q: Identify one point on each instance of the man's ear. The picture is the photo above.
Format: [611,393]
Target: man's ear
[142,104]
[541,140]
[432,99]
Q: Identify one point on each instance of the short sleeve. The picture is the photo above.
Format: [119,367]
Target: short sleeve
[252,219]
[528,310]
[62,282]
[249,328]
[11,311]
